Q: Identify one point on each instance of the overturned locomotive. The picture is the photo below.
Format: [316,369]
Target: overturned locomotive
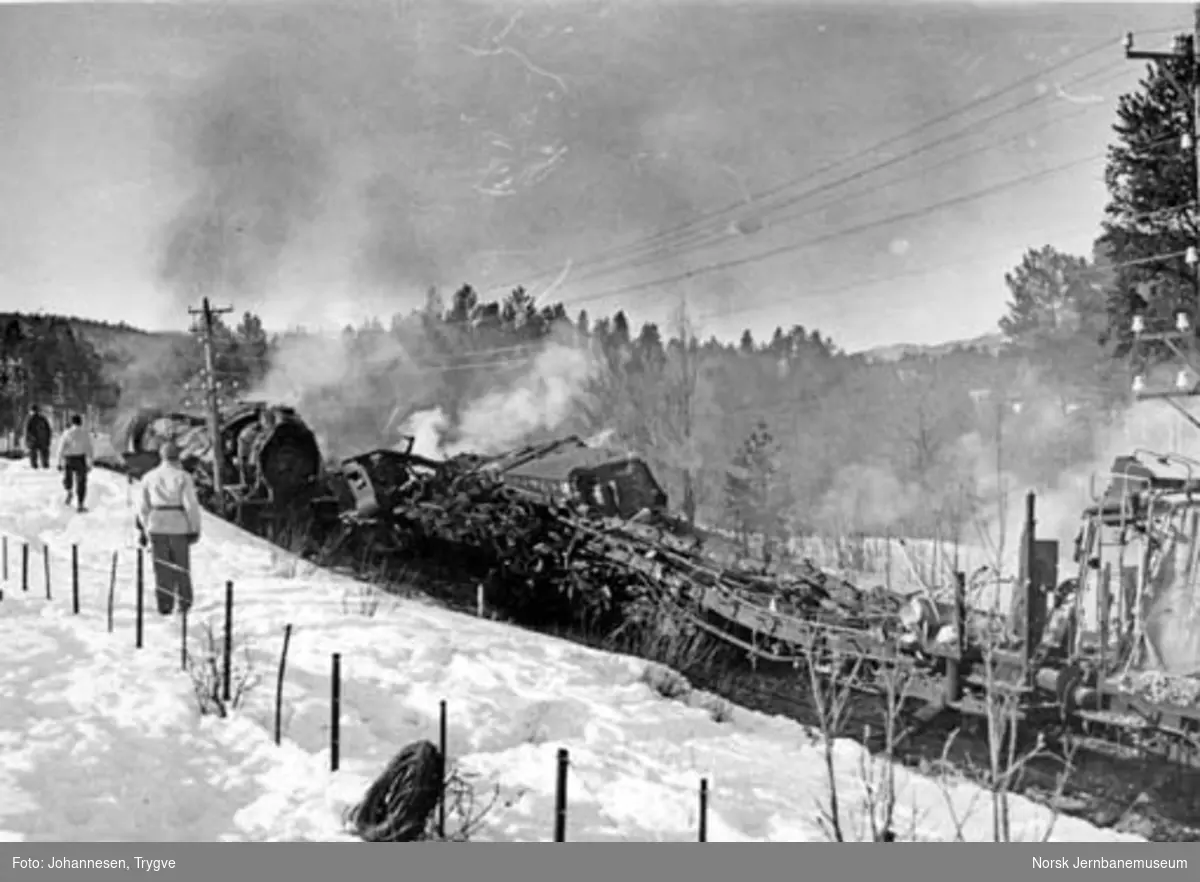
[593,481]
[269,453]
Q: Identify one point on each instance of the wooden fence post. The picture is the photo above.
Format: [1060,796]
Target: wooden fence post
[75,579]
[287,638]
[227,685]
[335,713]
[560,796]
[141,596]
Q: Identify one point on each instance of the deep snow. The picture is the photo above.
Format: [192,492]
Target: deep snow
[101,741]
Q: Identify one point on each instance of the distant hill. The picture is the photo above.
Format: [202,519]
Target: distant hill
[988,342]
[116,342]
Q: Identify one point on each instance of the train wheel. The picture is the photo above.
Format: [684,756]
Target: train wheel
[1069,679]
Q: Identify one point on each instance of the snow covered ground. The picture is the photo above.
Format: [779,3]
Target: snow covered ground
[102,741]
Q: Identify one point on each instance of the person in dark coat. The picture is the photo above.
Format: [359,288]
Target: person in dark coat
[37,438]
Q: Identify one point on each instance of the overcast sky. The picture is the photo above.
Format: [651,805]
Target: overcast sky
[318,164]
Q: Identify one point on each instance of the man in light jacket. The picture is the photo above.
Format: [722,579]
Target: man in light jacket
[74,459]
[168,512]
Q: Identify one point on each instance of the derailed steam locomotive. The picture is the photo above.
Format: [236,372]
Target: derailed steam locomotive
[271,457]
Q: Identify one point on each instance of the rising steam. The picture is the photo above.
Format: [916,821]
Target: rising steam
[540,400]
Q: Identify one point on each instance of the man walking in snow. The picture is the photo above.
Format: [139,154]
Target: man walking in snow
[37,438]
[75,459]
[168,516]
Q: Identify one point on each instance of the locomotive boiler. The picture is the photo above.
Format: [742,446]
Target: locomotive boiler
[270,455]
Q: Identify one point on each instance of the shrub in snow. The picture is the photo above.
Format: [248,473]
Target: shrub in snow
[362,599]
[719,710]
[206,668]
[668,683]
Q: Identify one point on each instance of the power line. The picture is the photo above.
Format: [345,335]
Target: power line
[882,145]
[864,227]
[701,238]
[916,272]
[716,239]
[793,247]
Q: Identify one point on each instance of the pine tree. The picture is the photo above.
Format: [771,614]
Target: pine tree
[754,499]
[1151,180]
[1057,318]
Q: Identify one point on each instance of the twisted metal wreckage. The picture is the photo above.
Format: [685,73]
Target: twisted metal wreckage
[1113,650]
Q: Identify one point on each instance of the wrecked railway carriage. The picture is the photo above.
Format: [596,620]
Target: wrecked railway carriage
[564,530]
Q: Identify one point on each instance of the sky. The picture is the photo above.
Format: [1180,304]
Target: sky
[754,164]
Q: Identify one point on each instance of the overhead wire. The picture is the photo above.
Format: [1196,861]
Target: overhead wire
[1114,66]
[654,252]
[840,201]
[790,183]
[826,238]
[860,228]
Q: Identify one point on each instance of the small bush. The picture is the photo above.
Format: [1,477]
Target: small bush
[361,599]
[206,670]
[668,683]
[466,810]
[719,710]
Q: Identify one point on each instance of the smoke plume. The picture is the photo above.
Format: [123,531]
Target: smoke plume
[540,400]
[345,385]
[259,171]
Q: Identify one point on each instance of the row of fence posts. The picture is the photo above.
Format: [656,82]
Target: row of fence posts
[563,761]
[140,604]
[46,568]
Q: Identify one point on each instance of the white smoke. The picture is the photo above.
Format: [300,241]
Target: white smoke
[601,439]
[427,428]
[541,399]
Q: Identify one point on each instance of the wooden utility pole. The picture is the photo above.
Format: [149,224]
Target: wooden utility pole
[206,313]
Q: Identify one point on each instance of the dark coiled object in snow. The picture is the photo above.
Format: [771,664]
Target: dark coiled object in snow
[399,803]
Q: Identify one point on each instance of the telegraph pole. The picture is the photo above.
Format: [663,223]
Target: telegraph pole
[207,312]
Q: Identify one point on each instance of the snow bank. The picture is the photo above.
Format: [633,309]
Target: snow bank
[102,741]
